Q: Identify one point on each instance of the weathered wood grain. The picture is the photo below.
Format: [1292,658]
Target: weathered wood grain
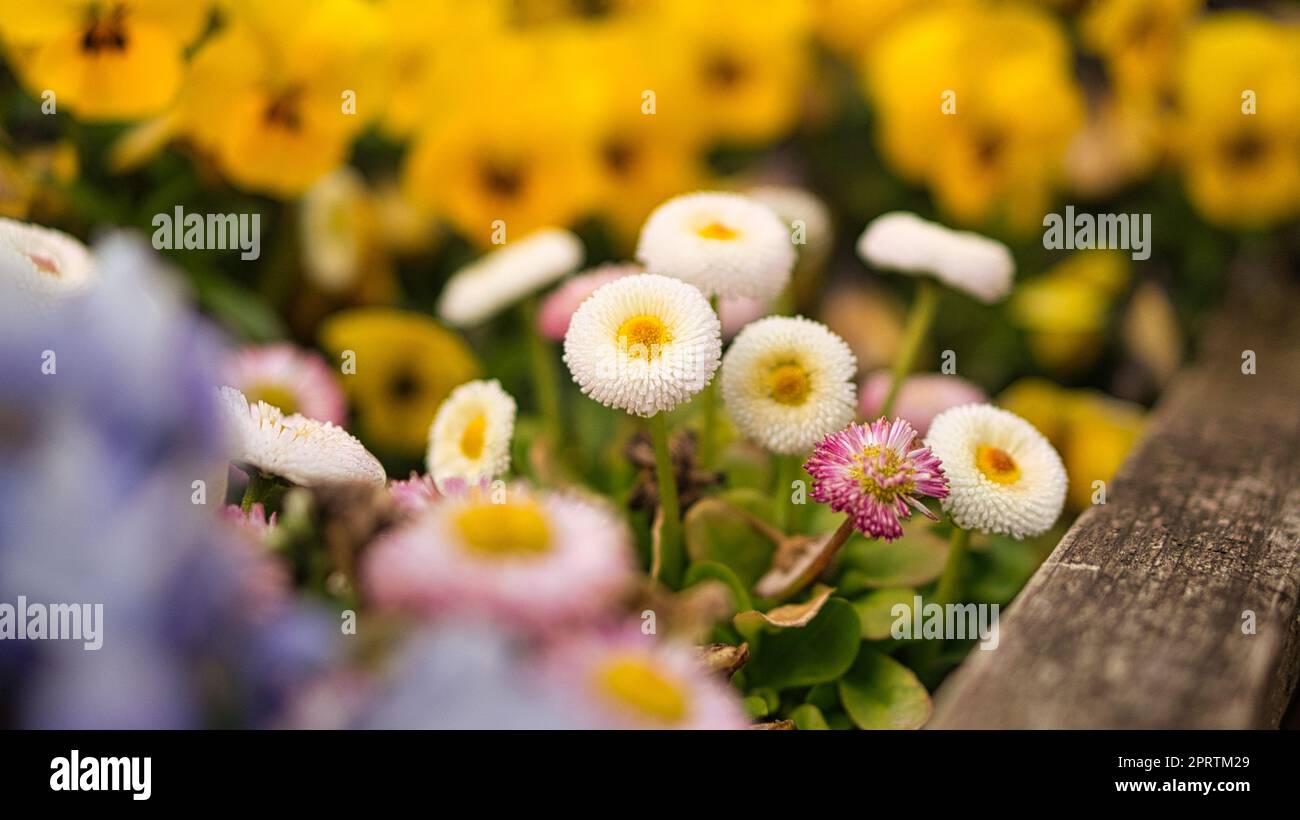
[1135,620]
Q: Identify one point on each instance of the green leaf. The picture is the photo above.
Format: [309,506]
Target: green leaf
[706,570]
[875,610]
[807,716]
[716,532]
[880,693]
[825,696]
[915,559]
[839,720]
[1000,570]
[751,500]
[755,706]
[803,656]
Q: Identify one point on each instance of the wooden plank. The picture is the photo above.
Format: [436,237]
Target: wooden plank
[1136,619]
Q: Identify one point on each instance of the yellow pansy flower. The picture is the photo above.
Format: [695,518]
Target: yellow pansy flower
[746,70]
[429,47]
[504,150]
[1239,119]
[278,94]
[1102,431]
[103,59]
[851,27]
[1065,310]
[405,364]
[1139,39]
[977,101]
[525,13]
[642,154]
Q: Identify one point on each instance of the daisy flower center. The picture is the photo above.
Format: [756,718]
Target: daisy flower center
[636,684]
[788,383]
[647,332]
[716,230]
[881,474]
[473,437]
[273,394]
[996,464]
[516,530]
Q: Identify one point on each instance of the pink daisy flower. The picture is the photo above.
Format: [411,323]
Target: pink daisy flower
[922,396]
[874,474]
[252,525]
[624,679]
[534,560]
[414,495]
[288,377]
[558,307]
[264,579]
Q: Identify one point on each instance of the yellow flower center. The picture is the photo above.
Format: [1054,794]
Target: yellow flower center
[515,530]
[502,179]
[716,230]
[284,110]
[788,383]
[645,336]
[634,683]
[869,470]
[471,438]
[997,465]
[276,395]
[107,32]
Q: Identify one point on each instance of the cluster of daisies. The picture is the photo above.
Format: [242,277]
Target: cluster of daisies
[690,316]
[646,338]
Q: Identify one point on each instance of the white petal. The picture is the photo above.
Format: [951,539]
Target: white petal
[756,261]
[963,260]
[305,451]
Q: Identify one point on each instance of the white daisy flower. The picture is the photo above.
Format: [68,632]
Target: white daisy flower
[1003,475]
[480,290]
[643,344]
[43,263]
[724,244]
[788,382]
[806,218]
[470,436]
[962,260]
[305,451]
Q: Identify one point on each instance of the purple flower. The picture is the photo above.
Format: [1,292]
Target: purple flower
[874,474]
[110,489]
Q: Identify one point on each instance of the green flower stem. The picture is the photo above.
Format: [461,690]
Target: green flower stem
[949,589]
[671,556]
[919,319]
[786,467]
[545,378]
[709,433]
[259,487]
